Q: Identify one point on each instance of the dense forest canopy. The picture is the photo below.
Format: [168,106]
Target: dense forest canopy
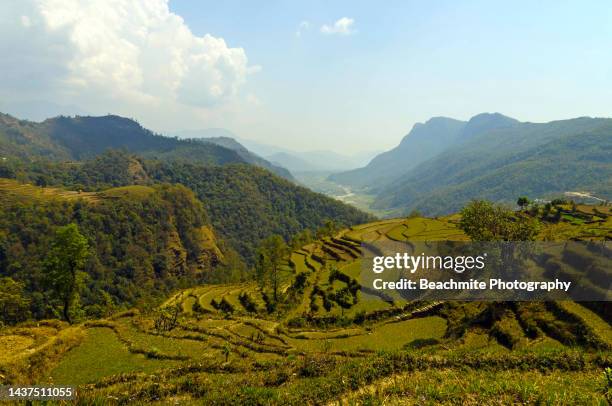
[143,242]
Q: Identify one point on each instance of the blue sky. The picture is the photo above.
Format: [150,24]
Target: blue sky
[408,61]
[398,62]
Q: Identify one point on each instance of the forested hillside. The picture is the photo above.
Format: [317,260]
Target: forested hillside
[246,203]
[142,242]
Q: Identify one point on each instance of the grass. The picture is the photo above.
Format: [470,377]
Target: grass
[100,355]
[391,336]
[132,192]
[12,344]
[49,347]
[591,321]
[472,387]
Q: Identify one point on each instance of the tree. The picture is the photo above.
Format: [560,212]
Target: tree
[330,228]
[64,263]
[483,221]
[344,298]
[522,202]
[167,318]
[14,306]
[270,256]
[300,239]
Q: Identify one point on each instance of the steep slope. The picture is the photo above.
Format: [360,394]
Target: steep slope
[526,158]
[77,138]
[144,241]
[423,142]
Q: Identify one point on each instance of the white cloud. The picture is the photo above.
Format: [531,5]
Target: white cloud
[107,53]
[304,26]
[343,26]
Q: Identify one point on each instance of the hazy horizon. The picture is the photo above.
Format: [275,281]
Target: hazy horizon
[347,76]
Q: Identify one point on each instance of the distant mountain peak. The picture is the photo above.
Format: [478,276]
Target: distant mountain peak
[498,117]
[441,119]
[227,139]
[483,122]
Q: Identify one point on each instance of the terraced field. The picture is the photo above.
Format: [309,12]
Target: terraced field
[27,191]
[17,190]
[327,341]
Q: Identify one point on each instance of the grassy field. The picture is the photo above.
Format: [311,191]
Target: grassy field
[228,347]
[101,354]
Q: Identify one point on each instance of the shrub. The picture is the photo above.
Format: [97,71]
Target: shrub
[197,307]
[223,306]
[247,302]
[421,342]
[166,319]
[316,365]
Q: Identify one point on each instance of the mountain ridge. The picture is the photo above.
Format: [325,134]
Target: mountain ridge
[227,139]
[65,138]
[481,154]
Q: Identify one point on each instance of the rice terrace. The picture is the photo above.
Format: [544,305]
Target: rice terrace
[323,343]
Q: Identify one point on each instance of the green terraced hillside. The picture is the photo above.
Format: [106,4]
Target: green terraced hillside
[326,341]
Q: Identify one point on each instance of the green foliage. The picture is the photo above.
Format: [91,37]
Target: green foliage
[483,221]
[523,201]
[301,239]
[14,305]
[248,204]
[166,318]
[270,255]
[320,357]
[245,204]
[142,245]
[608,383]
[227,350]
[64,264]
